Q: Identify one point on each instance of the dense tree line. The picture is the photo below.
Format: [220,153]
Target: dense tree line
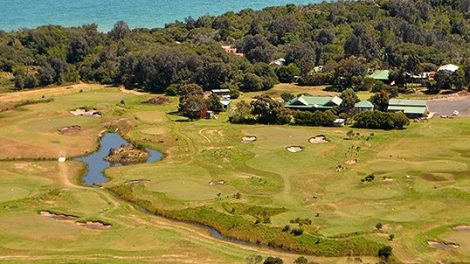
[346,38]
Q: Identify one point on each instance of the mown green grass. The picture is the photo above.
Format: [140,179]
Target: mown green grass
[421,184]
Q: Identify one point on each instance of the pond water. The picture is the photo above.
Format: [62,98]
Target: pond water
[95,161]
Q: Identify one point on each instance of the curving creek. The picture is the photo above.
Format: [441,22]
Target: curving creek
[96,165]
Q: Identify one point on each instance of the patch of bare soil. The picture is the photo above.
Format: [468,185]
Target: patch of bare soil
[94,225]
[70,130]
[248,139]
[58,217]
[86,112]
[432,177]
[158,100]
[462,228]
[443,245]
[320,139]
[295,149]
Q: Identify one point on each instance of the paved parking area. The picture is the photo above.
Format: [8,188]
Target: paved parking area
[448,105]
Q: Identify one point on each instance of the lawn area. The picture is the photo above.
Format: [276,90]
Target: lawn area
[420,189]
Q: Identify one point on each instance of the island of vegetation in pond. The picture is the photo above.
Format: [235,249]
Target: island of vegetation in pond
[127,154]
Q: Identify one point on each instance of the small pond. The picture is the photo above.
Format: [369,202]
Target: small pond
[96,165]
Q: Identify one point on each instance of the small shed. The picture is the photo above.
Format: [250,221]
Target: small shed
[226,103]
[339,122]
[210,115]
[221,92]
[364,106]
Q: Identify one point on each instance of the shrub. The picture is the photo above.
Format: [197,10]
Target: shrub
[171,91]
[316,79]
[273,260]
[379,226]
[301,260]
[297,231]
[385,252]
[317,118]
[381,120]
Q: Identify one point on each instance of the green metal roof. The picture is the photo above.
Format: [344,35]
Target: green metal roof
[406,102]
[321,102]
[408,109]
[380,75]
[364,104]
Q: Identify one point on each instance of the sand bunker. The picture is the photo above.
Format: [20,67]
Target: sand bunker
[136,181]
[320,139]
[94,225]
[462,228]
[212,183]
[70,130]
[248,139]
[85,112]
[295,149]
[443,245]
[59,217]
[351,162]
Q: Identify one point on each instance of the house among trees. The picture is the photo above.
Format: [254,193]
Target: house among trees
[380,75]
[314,103]
[411,108]
[449,68]
[363,106]
[278,62]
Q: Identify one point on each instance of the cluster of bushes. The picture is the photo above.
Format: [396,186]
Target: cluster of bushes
[347,38]
[316,118]
[237,227]
[381,120]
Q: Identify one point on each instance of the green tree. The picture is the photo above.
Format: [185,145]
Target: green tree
[349,98]
[269,111]
[380,100]
[241,113]
[287,74]
[214,103]
[120,30]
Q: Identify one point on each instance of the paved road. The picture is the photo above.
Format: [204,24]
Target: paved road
[449,105]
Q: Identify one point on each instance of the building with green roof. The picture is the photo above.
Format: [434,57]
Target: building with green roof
[380,75]
[364,106]
[411,108]
[314,102]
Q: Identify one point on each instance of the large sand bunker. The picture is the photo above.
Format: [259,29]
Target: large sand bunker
[320,139]
[462,228]
[86,112]
[70,130]
[443,245]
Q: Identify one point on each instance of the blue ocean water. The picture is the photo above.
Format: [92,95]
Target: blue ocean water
[137,13]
